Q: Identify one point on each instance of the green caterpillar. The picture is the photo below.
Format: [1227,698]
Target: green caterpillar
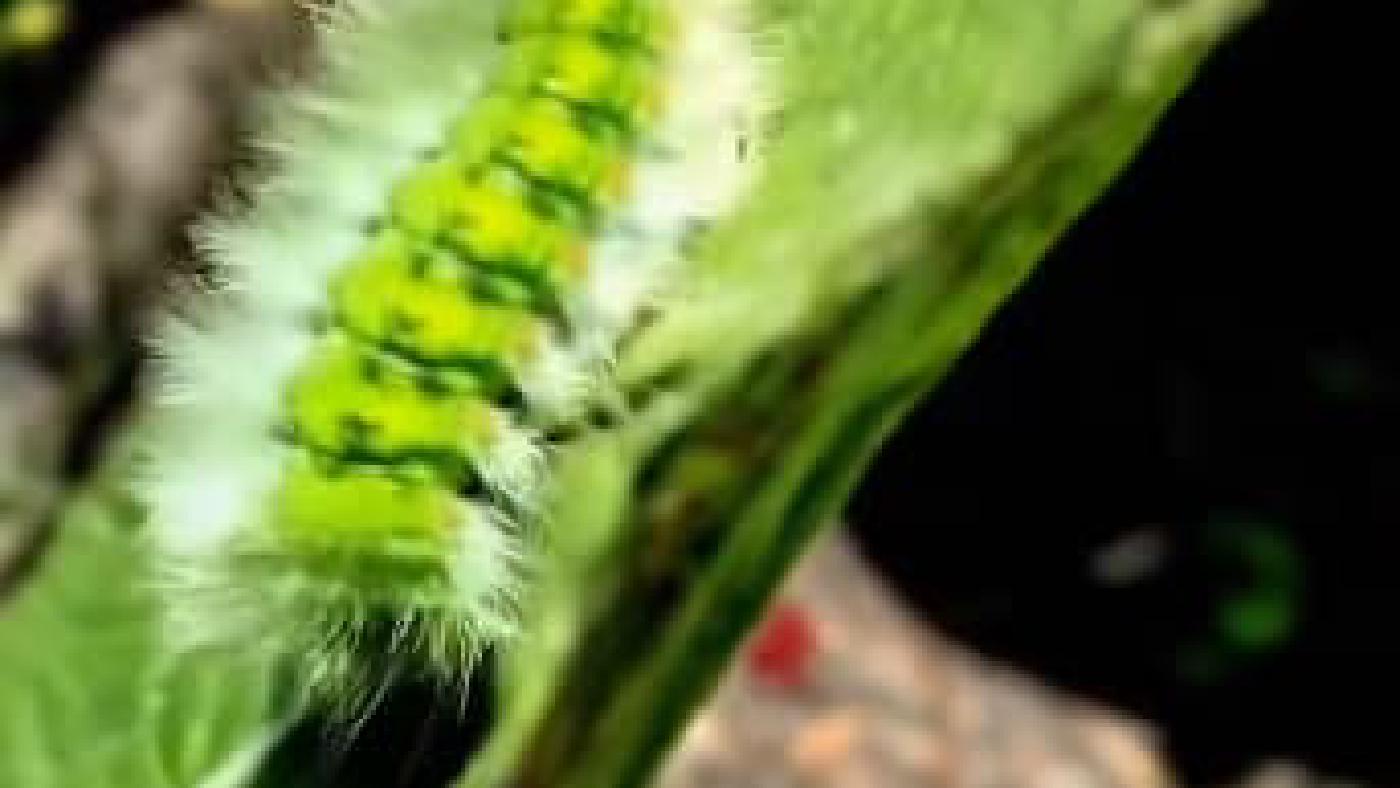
[463,218]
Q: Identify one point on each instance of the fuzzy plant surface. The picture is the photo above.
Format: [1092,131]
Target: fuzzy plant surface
[559,327]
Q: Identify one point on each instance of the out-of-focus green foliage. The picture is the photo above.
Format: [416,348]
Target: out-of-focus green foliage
[30,24]
[90,693]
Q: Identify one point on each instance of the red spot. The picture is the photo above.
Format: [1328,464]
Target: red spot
[783,649]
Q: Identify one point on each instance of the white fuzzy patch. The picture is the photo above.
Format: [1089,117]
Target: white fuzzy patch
[396,74]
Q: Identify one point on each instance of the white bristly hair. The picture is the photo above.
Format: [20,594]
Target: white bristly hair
[395,75]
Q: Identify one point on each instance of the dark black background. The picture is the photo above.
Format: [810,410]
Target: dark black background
[1208,353]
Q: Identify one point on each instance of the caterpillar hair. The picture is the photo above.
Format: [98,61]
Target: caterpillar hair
[460,218]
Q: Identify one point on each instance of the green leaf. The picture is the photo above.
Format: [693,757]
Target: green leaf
[929,154]
[90,694]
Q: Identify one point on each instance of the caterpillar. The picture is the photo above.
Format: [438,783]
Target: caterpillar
[461,219]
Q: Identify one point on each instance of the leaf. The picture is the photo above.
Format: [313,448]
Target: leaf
[930,152]
[91,696]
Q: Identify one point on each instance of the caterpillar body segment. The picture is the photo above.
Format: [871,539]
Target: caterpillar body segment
[438,268]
